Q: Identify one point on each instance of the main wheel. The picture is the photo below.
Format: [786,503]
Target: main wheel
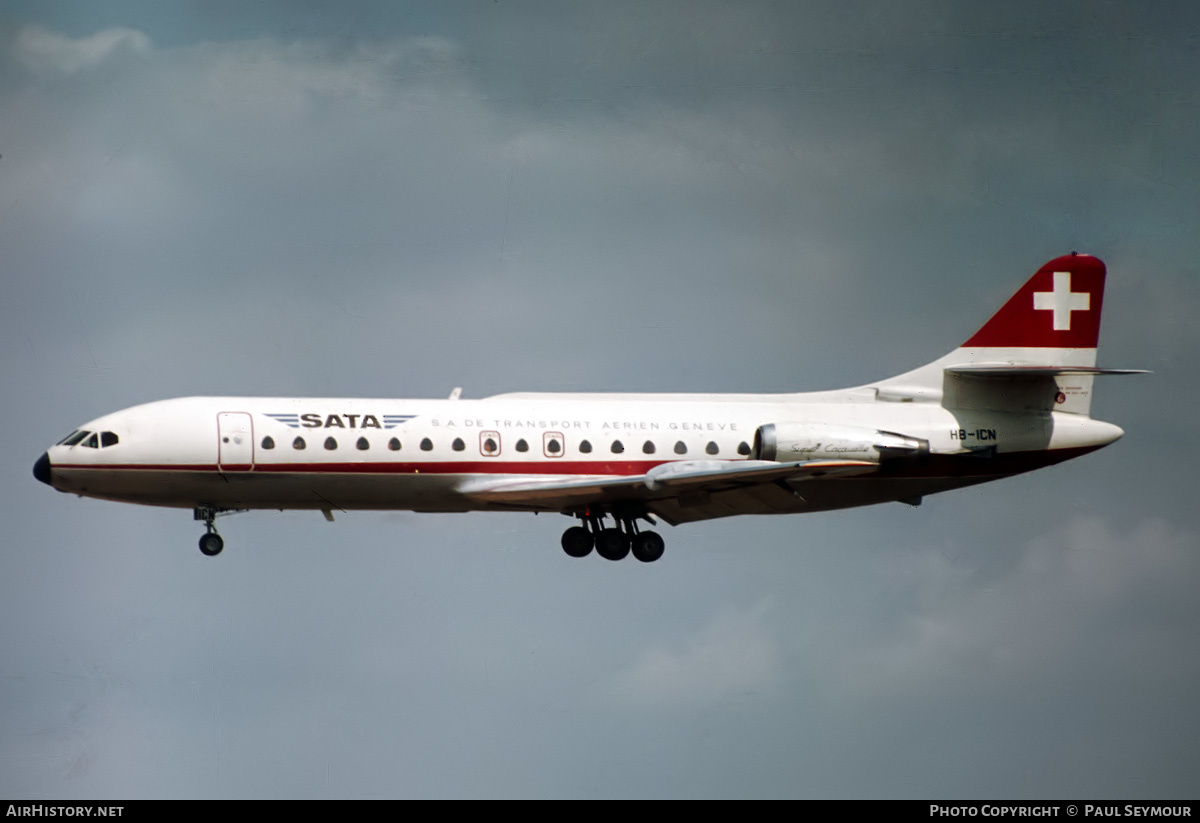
[612,544]
[648,546]
[577,541]
[211,544]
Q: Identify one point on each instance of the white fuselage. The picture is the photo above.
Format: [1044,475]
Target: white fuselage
[344,454]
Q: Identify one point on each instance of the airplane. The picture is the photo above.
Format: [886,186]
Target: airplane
[1016,396]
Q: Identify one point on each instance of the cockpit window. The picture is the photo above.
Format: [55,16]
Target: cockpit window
[75,438]
[92,442]
[108,439]
[68,437]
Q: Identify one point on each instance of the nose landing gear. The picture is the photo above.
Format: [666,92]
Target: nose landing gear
[211,542]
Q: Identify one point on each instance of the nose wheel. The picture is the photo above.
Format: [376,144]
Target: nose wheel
[211,544]
[614,543]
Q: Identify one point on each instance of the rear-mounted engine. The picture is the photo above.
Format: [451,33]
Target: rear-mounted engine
[787,442]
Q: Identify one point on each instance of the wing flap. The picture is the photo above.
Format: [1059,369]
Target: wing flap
[667,480]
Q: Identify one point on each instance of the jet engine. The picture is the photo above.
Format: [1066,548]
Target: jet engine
[786,442]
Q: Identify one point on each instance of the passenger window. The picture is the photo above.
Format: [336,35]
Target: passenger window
[618,447]
[108,439]
[585,447]
[647,448]
[92,442]
[330,444]
[458,445]
[426,445]
[75,438]
[362,445]
[552,442]
[711,448]
[299,444]
[394,444]
[489,443]
[681,447]
[522,446]
[743,447]
[268,442]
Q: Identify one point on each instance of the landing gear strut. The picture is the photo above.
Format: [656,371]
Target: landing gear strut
[614,543]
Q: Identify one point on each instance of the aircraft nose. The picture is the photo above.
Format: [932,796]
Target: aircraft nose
[41,469]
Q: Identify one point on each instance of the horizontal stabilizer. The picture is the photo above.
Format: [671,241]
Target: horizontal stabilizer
[1010,370]
[663,481]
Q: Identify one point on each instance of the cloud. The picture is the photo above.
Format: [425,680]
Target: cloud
[43,50]
[1080,595]
[733,655]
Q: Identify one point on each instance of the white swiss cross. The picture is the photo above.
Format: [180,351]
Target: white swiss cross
[1062,301]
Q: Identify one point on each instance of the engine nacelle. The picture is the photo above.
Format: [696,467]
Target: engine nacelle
[786,442]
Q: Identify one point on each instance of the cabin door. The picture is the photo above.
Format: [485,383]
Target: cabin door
[235,442]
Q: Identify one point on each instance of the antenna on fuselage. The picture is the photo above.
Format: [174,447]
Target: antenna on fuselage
[457,393]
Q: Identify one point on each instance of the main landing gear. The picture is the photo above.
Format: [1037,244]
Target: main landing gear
[612,543]
[211,542]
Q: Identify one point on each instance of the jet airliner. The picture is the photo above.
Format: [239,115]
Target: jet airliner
[1015,396]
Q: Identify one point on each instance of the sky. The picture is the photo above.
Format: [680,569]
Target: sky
[394,199]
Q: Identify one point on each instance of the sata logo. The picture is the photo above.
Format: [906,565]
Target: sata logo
[341,421]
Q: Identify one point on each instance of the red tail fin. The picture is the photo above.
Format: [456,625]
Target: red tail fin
[1058,308]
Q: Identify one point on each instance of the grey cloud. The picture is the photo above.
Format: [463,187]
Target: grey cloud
[43,50]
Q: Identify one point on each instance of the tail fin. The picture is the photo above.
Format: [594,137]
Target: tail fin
[1057,312]
[1038,352]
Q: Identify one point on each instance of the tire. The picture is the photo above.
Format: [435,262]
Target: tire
[612,544]
[578,541]
[648,546]
[211,544]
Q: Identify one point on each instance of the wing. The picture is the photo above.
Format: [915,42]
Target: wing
[659,488]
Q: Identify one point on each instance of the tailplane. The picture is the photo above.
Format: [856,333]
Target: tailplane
[1037,353]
